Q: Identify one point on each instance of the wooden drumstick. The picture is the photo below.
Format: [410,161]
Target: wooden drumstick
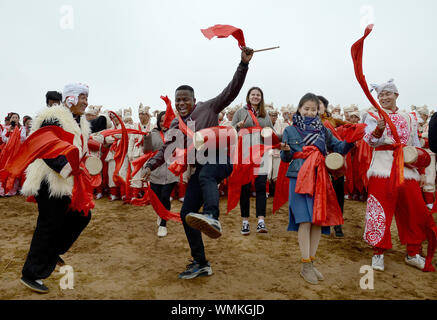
[266,49]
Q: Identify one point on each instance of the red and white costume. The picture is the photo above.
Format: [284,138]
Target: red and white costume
[430,172]
[114,141]
[383,202]
[135,150]
[5,134]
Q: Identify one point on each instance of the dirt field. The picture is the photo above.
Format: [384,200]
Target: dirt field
[119,256]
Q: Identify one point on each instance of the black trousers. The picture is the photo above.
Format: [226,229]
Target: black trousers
[57,228]
[338,185]
[163,192]
[201,190]
[261,198]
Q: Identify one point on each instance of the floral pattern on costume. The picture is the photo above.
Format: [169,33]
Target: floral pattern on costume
[401,127]
[375,221]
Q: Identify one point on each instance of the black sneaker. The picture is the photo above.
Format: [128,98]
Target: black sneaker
[338,232]
[261,227]
[60,262]
[194,270]
[35,285]
[245,229]
[204,223]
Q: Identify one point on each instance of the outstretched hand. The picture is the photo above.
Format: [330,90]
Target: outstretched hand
[147,173]
[246,54]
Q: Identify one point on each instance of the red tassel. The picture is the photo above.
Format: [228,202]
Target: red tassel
[169,113]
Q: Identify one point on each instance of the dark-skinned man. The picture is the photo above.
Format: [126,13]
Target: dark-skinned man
[202,186]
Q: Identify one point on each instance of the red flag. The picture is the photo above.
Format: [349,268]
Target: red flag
[224,31]
[169,113]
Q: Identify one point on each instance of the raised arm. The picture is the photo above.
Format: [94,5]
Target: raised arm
[229,94]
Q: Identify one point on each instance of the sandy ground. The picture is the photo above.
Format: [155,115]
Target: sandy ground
[119,256]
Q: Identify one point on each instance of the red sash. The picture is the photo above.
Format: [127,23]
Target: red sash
[326,211]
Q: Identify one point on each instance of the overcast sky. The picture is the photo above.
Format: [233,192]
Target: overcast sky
[133,51]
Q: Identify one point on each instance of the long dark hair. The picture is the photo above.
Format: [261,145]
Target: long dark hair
[326,104]
[18,123]
[261,108]
[308,97]
[158,120]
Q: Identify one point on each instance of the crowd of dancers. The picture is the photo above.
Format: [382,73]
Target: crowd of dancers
[296,165]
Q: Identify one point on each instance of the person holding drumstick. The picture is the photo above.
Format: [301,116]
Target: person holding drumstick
[305,139]
[202,188]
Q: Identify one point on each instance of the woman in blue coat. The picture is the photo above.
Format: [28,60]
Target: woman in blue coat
[307,131]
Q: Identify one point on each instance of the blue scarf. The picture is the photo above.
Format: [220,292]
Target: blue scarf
[312,130]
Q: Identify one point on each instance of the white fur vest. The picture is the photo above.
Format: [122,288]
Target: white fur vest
[38,170]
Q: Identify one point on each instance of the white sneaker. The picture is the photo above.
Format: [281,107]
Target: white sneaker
[158,221]
[99,196]
[378,262]
[162,232]
[181,199]
[430,206]
[113,198]
[417,261]
[171,199]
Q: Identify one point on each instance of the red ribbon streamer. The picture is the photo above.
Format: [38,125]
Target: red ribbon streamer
[50,142]
[169,113]
[357,56]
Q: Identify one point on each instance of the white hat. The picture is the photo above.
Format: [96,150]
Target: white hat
[142,109]
[71,93]
[349,109]
[291,108]
[423,110]
[127,114]
[388,86]
[355,113]
[93,110]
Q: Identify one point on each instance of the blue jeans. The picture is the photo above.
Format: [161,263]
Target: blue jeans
[201,190]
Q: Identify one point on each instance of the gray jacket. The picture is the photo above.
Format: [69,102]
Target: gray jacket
[243,114]
[160,175]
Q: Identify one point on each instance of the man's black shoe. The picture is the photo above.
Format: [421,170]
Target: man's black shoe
[35,285]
